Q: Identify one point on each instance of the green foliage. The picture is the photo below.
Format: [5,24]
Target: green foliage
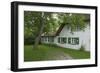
[31,23]
[52,21]
[77,22]
[74,21]
[29,40]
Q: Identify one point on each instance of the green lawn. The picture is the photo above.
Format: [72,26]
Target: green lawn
[46,52]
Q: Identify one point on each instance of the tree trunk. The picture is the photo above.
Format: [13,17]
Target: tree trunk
[40,31]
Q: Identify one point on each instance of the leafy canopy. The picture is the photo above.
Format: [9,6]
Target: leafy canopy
[52,21]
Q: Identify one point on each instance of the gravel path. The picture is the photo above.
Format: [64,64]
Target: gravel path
[63,57]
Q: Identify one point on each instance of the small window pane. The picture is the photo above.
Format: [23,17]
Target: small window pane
[69,40]
[59,40]
[63,40]
[77,40]
[50,39]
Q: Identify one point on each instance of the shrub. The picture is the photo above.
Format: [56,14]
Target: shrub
[28,41]
[82,48]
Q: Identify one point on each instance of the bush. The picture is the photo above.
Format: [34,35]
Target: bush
[82,48]
[28,41]
[53,45]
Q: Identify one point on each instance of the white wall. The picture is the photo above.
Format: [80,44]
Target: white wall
[84,38]
[5,36]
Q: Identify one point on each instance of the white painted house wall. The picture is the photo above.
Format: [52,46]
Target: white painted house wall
[84,38]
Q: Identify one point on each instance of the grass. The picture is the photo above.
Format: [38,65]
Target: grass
[48,52]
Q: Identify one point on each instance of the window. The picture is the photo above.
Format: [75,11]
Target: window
[69,40]
[76,40]
[59,40]
[62,40]
[73,41]
[45,39]
[50,39]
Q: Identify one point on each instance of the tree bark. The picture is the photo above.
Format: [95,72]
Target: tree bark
[40,31]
